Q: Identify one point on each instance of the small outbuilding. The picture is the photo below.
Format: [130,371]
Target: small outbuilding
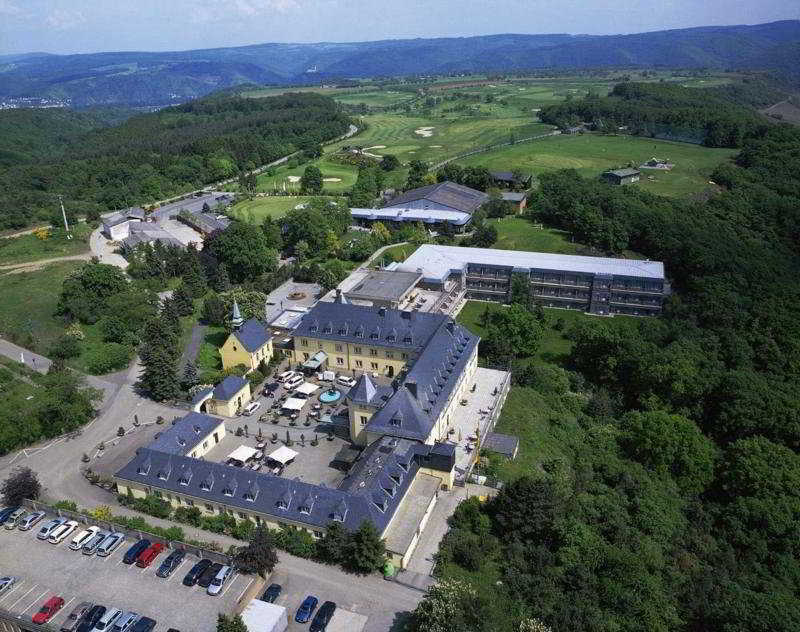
[261,616]
[517,201]
[507,445]
[229,396]
[622,176]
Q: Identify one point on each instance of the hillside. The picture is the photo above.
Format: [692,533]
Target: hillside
[151,156]
[170,77]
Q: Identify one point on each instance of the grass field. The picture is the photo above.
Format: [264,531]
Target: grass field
[517,233]
[345,175]
[592,154]
[374,98]
[255,210]
[26,248]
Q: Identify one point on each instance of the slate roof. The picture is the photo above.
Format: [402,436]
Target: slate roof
[228,387]
[511,196]
[404,214]
[252,334]
[508,176]
[623,173]
[447,195]
[115,219]
[502,444]
[186,434]
[373,326]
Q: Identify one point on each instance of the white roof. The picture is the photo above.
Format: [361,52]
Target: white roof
[437,262]
[283,455]
[404,214]
[306,388]
[294,403]
[242,453]
[260,616]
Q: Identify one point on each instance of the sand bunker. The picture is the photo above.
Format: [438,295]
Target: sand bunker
[331,179]
[436,146]
[293,178]
[376,147]
[424,131]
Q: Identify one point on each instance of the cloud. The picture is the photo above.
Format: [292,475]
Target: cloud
[221,10]
[9,8]
[63,19]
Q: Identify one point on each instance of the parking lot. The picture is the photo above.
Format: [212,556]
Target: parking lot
[44,570]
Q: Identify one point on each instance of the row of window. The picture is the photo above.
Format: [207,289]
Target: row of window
[339,348]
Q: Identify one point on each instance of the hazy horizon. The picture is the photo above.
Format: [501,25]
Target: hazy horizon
[87,26]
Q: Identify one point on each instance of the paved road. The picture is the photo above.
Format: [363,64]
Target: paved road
[190,352]
[103,250]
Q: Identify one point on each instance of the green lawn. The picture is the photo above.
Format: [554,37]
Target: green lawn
[396,253]
[374,98]
[27,248]
[255,210]
[592,154]
[208,359]
[343,177]
[518,233]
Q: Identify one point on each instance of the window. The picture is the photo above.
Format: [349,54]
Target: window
[338,348]
[374,365]
[243,515]
[190,502]
[405,356]
[356,349]
[234,348]
[373,352]
[389,355]
[339,360]
[317,534]
[205,444]
[306,356]
[157,493]
[209,507]
[359,364]
[363,420]
[304,342]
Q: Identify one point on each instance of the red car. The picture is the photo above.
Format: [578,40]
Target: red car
[147,556]
[48,610]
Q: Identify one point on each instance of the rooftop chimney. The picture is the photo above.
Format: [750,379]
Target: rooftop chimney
[411,385]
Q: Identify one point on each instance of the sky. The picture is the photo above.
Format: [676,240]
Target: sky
[84,26]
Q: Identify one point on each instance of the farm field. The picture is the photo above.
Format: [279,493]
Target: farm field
[255,210]
[591,154]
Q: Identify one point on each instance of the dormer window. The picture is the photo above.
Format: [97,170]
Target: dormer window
[392,336]
[307,505]
[228,491]
[328,329]
[343,330]
[185,478]
[144,468]
[380,502]
[403,465]
[340,512]
[284,501]
[408,339]
[163,474]
[397,477]
[374,335]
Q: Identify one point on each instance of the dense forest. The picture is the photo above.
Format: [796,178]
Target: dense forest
[150,156]
[678,507]
[716,117]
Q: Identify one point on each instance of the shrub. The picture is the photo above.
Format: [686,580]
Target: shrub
[153,506]
[110,356]
[189,515]
[296,541]
[69,505]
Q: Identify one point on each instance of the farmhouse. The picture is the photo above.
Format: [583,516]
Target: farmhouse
[508,180]
[597,285]
[117,226]
[622,176]
[516,200]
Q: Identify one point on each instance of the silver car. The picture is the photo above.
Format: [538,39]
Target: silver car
[91,546]
[110,544]
[74,618]
[48,528]
[125,622]
[31,519]
[11,521]
[218,582]
[6,583]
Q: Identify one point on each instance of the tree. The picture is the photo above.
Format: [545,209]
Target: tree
[272,232]
[195,281]
[244,250]
[230,624]
[513,332]
[381,233]
[222,282]
[366,551]
[183,300]
[416,173]
[451,606]
[333,546]
[214,310]
[520,289]
[159,377]
[189,375]
[311,180]
[65,347]
[259,555]
[301,250]
[389,162]
[85,292]
[22,484]
[484,236]
[496,206]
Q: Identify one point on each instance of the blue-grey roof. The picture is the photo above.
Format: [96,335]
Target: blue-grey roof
[445,195]
[252,334]
[228,387]
[186,434]
[511,196]
[369,325]
[405,214]
[116,218]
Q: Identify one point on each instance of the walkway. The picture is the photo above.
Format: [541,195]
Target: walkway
[190,352]
[104,251]
[30,266]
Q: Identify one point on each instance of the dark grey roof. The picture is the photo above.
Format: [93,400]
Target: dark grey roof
[511,196]
[446,194]
[412,411]
[363,391]
[369,325]
[501,443]
[252,334]
[228,387]
[135,212]
[115,219]
[622,173]
[384,285]
[187,432]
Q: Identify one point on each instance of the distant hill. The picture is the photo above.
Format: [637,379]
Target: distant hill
[137,78]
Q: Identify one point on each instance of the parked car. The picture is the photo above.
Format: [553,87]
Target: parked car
[256,465]
[6,512]
[190,579]
[271,593]
[91,545]
[31,519]
[63,532]
[287,375]
[215,587]
[306,609]
[251,408]
[346,380]
[6,583]
[208,575]
[110,544]
[323,617]
[293,382]
[124,622]
[135,551]
[48,610]
[172,562]
[13,517]
[147,556]
[74,618]
[91,618]
[83,537]
[107,620]
[47,529]
[145,624]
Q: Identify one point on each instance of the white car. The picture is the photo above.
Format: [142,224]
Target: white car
[251,408]
[293,382]
[60,534]
[6,583]
[286,375]
[346,380]
[218,582]
[82,538]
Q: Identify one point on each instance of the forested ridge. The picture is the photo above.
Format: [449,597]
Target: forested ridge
[676,505]
[717,117]
[152,156]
